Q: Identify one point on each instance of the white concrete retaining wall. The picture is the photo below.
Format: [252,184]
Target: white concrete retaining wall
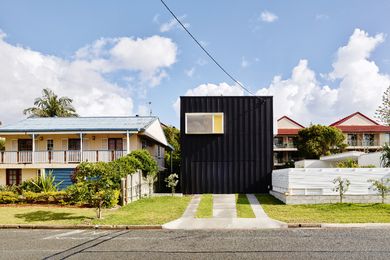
[370,159]
[314,185]
[312,164]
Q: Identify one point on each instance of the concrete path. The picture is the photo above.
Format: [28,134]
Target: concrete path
[224,216]
[224,206]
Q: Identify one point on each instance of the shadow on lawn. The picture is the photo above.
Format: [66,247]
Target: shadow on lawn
[42,215]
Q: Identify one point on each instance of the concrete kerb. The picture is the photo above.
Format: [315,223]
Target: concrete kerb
[106,227]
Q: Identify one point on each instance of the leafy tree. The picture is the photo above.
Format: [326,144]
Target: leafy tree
[2,144]
[381,186]
[50,105]
[385,157]
[341,186]
[383,111]
[98,185]
[148,166]
[172,181]
[173,137]
[318,140]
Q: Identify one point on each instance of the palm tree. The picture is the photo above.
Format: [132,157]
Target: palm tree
[49,105]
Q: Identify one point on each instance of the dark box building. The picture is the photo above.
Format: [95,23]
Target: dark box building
[226,144]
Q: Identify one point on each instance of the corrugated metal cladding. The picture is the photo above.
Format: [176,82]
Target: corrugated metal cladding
[239,160]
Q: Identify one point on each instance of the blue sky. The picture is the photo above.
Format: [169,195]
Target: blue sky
[255,41]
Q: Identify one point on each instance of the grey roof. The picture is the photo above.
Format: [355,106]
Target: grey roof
[49,124]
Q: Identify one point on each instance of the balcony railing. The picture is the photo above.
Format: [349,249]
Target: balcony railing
[365,143]
[67,156]
[284,145]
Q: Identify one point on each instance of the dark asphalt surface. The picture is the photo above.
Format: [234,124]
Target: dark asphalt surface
[162,244]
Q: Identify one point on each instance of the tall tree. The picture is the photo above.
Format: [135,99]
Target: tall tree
[173,137]
[383,111]
[50,105]
[319,140]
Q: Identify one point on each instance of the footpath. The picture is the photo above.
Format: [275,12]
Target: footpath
[224,216]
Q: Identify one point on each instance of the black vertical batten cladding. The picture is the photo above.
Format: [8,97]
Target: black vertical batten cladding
[239,160]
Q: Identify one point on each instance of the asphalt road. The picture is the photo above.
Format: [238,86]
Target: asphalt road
[162,244]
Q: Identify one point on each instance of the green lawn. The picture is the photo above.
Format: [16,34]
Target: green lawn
[244,209]
[205,208]
[325,213]
[153,211]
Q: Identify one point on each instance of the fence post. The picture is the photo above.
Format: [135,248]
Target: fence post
[140,183]
[123,191]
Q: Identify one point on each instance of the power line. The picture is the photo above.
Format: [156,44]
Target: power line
[208,54]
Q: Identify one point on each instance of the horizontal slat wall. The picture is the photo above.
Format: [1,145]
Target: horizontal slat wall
[302,181]
[238,161]
[63,175]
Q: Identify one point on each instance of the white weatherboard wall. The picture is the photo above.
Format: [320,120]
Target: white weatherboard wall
[314,185]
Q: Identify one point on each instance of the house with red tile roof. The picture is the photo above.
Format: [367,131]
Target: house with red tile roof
[285,149]
[361,134]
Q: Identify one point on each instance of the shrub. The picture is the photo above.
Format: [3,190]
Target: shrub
[11,188]
[45,197]
[347,164]
[78,193]
[7,197]
[172,181]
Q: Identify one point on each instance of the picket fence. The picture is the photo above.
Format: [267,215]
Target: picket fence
[134,187]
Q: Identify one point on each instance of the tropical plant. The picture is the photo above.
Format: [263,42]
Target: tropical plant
[385,156]
[381,186]
[318,140]
[50,105]
[43,183]
[172,181]
[341,186]
[383,111]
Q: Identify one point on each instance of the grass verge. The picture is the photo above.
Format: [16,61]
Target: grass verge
[205,208]
[149,211]
[325,213]
[244,209]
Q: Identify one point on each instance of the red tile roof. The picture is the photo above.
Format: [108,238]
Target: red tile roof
[288,131]
[363,128]
[352,115]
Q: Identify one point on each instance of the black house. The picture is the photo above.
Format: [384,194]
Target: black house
[226,144]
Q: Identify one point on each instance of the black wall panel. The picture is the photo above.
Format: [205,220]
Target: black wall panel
[238,161]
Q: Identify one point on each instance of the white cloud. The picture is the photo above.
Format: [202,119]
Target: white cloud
[322,17]
[268,17]
[209,89]
[360,85]
[244,62]
[24,72]
[190,72]
[171,24]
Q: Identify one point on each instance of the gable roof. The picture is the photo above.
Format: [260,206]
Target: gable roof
[52,124]
[352,115]
[360,128]
[293,121]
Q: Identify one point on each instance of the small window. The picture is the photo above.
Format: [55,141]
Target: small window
[74,144]
[158,151]
[204,123]
[13,176]
[50,145]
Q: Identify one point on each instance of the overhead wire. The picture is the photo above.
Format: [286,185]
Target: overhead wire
[208,53]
